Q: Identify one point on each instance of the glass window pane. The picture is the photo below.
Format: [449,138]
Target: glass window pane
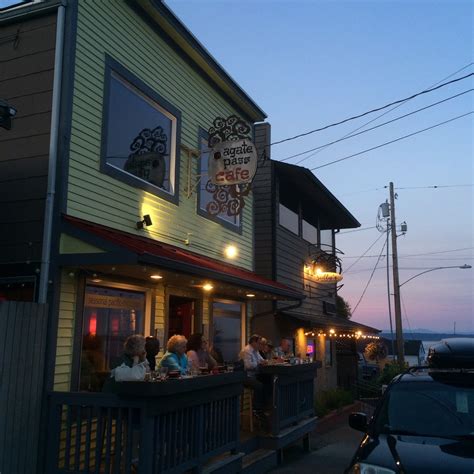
[310,232]
[326,240]
[140,135]
[209,194]
[4,4]
[289,219]
[110,316]
[227,322]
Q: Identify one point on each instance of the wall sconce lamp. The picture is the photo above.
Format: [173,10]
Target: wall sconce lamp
[145,222]
[7,112]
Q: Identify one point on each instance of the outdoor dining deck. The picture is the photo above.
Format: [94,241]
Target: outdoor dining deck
[181,425]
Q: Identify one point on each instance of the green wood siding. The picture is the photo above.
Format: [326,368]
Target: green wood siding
[111,27]
[67,313]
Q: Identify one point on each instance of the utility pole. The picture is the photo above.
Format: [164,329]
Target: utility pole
[396,281]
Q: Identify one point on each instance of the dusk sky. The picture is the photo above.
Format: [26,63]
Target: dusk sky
[312,63]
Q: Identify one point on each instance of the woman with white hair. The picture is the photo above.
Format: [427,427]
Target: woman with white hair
[175,357]
[132,365]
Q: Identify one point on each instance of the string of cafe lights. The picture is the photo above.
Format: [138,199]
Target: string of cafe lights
[332,333]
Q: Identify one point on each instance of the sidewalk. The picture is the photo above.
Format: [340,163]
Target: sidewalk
[332,447]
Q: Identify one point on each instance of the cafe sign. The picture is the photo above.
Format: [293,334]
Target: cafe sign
[232,162]
[320,276]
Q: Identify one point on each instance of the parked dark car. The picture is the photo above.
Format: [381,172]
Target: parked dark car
[424,422]
[367,370]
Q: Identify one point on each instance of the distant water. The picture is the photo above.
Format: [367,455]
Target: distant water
[428,344]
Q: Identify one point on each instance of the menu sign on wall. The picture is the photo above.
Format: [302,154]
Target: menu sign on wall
[110,301]
[232,162]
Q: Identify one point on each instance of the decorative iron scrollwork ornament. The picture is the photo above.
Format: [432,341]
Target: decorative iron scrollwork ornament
[228,198]
[147,157]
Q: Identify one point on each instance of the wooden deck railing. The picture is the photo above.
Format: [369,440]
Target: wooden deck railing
[167,427]
[293,394]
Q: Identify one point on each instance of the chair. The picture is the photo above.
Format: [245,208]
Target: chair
[246,409]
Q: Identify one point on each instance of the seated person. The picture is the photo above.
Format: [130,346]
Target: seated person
[216,354]
[283,351]
[131,366]
[152,347]
[175,357]
[252,361]
[265,348]
[198,353]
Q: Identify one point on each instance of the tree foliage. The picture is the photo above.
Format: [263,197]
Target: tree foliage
[343,308]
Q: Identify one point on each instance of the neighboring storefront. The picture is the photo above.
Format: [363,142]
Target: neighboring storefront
[297,220]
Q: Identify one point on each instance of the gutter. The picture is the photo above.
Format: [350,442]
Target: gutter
[53,156]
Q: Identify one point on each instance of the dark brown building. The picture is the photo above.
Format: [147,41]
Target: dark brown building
[27,52]
[296,221]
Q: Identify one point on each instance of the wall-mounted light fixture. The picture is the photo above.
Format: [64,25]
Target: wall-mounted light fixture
[145,222]
[207,287]
[231,251]
[250,295]
[156,277]
[7,112]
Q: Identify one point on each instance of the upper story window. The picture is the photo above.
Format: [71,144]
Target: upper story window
[310,232]
[140,134]
[327,244]
[7,4]
[289,219]
[210,196]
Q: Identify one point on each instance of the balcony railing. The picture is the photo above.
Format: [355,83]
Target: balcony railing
[293,394]
[148,428]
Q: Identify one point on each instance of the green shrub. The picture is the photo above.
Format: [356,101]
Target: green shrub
[390,370]
[333,399]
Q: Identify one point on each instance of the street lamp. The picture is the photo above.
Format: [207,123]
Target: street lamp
[463,267]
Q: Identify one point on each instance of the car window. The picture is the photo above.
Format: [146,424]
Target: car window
[429,408]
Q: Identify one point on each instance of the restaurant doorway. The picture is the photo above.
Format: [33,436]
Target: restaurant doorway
[182,314]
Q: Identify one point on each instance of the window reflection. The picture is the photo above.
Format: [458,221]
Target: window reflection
[227,322]
[110,316]
[140,135]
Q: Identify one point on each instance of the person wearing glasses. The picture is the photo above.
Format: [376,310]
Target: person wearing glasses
[198,352]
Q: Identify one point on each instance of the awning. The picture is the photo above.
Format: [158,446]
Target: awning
[311,191]
[327,322]
[132,249]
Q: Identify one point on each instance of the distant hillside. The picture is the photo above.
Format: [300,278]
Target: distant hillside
[425,336]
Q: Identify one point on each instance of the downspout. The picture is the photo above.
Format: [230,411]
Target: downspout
[53,156]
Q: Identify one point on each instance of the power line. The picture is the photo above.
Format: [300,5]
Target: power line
[436,186]
[354,263]
[370,278]
[438,252]
[406,315]
[357,230]
[426,91]
[391,141]
[397,106]
[346,137]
